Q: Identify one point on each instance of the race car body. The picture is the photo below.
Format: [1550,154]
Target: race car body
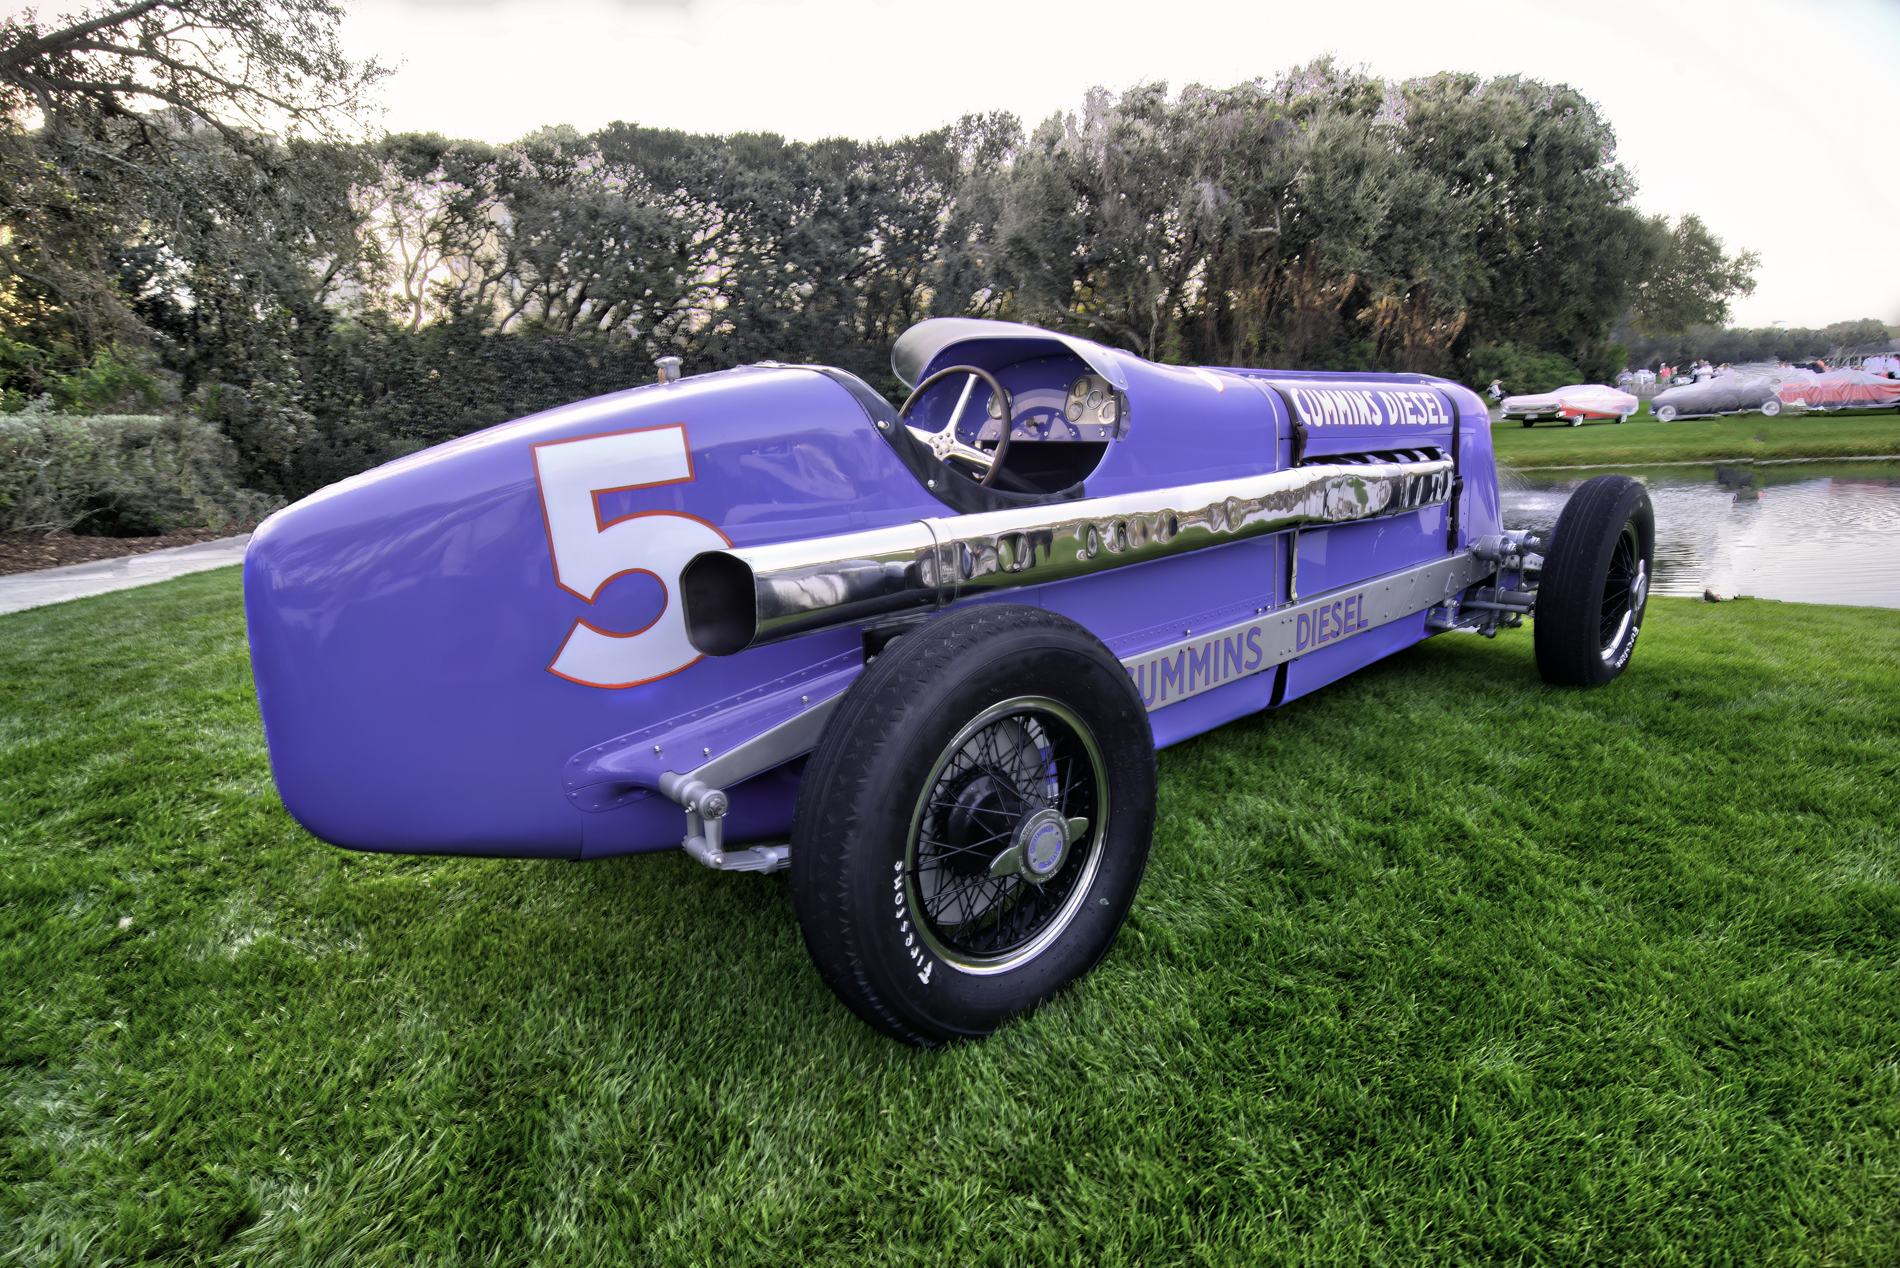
[626,624]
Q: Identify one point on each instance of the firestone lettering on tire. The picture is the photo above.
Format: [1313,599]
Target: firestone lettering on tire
[915,952]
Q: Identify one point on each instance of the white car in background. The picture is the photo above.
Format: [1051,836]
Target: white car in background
[1573,404]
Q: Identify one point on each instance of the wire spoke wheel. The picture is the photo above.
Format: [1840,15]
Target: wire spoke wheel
[1595,587]
[973,824]
[1019,757]
[1625,586]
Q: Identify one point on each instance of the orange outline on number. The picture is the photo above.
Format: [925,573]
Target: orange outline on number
[666,592]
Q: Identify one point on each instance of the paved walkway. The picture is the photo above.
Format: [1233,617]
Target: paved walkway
[101,576]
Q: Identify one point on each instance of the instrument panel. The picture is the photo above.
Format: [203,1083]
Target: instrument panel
[1088,409]
[1052,399]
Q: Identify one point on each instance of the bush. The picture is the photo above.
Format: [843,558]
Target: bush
[377,390]
[118,475]
[114,377]
[1524,371]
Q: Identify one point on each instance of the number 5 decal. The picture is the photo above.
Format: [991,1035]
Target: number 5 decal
[588,553]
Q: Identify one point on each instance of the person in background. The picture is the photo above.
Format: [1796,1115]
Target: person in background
[1496,391]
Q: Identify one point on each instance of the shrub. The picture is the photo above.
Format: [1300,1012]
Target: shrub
[118,475]
[1524,371]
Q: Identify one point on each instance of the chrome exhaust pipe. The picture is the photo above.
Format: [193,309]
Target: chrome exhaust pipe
[735,599]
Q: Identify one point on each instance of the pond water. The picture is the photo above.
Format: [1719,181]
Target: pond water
[1803,532]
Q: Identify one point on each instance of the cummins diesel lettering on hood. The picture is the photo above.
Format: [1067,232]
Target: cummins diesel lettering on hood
[1363,407]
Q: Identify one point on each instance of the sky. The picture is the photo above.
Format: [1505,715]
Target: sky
[1774,120]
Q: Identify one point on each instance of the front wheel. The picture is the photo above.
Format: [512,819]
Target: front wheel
[1666,414]
[1595,587]
[974,822]
[1771,407]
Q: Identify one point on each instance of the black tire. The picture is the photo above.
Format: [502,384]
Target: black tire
[1527,422]
[972,724]
[1595,587]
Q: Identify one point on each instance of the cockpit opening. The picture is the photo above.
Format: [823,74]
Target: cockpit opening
[1061,419]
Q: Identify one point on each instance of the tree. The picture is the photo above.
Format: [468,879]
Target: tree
[1325,218]
[102,121]
[1690,280]
[248,68]
[1868,332]
[174,176]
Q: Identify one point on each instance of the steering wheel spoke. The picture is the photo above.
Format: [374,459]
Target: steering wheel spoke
[944,444]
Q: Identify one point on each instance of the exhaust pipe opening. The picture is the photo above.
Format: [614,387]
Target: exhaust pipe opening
[722,614]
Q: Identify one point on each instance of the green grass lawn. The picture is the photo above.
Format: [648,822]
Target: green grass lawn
[1642,439]
[1437,966]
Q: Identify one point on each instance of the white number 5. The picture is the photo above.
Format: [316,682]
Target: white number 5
[588,553]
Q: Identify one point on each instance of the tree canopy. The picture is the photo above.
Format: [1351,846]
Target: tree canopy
[183,193]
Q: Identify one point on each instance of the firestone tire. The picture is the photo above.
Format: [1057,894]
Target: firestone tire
[998,737]
[1595,587]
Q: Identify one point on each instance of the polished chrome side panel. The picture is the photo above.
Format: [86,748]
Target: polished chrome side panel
[1190,665]
[803,586]
[854,576]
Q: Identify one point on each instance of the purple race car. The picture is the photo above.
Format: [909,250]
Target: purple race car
[923,657]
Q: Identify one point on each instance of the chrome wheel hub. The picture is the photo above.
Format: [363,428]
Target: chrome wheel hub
[1040,848]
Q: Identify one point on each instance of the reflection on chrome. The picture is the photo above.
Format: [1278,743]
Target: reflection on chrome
[741,598]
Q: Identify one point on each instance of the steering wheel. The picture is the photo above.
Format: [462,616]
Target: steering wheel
[944,444]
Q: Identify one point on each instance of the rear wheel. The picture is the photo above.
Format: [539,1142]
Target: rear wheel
[1771,406]
[974,822]
[1595,587]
